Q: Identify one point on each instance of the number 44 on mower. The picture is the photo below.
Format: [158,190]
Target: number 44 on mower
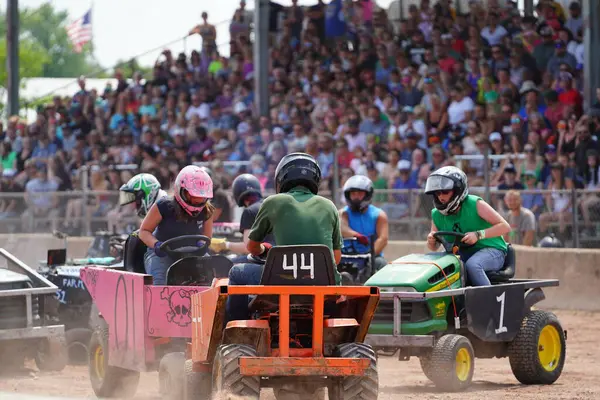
[428,311]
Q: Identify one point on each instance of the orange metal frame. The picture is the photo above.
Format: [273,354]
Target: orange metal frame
[319,293]
[298,362]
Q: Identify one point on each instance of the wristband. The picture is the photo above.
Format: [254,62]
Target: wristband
[481,234]
[227,245]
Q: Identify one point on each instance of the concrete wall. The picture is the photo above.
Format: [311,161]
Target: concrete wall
[577,269]
[33,247]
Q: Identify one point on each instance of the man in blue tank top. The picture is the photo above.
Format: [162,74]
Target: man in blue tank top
[363,221]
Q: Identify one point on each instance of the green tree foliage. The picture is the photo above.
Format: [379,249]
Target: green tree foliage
[32,58]
[129,67]
[44,28]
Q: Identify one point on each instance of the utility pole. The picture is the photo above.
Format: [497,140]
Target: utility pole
[261,56]
[591,43]
[12,61]
[528,8]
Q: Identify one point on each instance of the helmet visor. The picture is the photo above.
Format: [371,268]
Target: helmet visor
[437,183]
[126,198]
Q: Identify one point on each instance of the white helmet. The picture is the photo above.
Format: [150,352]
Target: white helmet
[446,179]
[358,183]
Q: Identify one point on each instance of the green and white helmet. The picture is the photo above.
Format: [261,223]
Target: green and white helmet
[144,190]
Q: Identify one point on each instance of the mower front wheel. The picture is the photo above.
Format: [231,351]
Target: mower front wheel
[228,382]
[197,385]
[299,392]
[171,376]
[364,387]
[451,363]
[108,381]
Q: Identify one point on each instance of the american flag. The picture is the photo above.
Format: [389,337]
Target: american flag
[80,31]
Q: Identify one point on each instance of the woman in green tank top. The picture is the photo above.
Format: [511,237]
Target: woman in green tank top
[458,211]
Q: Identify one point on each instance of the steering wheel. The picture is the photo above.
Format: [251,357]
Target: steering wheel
[448,246]
[186,250]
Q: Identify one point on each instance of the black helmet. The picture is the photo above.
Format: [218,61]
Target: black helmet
[297,169]
[244,185]
[448,178]
[550,241]
[358,183]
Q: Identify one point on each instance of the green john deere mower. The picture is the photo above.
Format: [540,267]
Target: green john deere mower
[427,310]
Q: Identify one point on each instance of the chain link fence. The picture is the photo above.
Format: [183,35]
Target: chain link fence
[571,215]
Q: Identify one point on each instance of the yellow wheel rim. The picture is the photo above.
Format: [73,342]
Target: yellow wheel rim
[549,348]
[463,364]
[99,362]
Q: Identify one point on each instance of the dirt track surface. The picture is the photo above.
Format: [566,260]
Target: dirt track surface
[493,378]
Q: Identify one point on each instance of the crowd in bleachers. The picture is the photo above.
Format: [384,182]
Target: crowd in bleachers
[396,98]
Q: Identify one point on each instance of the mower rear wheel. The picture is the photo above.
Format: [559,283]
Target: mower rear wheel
[52,354]
[537,353]
[451,363]
[228,382]
[108,381]
[78,340]
[364,387]
[171,376]
[197,385]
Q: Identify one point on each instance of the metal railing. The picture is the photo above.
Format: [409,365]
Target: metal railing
[572,215]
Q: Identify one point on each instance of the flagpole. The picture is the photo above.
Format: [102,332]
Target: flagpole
[92,42]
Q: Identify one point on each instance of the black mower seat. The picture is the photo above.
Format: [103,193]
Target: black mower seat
[198,271]
[508,270]
[308,265]
[133,254]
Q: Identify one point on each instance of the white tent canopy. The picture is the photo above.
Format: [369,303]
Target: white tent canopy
[36,88]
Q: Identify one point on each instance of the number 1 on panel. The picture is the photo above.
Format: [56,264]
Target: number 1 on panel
[501,328]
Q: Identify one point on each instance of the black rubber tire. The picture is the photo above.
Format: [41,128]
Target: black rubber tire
[52,354]
[523,351]
[116,382]
[78,341]
[171,376]
[440,365]
[197,385]
[356,387]
[229,383]
[346,279]
[426,367]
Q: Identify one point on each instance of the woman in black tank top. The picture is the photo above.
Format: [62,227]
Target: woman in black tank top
[188,212]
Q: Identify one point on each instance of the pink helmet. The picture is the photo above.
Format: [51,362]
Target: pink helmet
[192,181]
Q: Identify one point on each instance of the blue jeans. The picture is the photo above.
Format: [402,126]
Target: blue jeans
[239,259]
[476,264]
[157,266]
[241,274]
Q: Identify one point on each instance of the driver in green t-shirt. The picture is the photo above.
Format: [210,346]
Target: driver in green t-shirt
[458,211]
[296,215]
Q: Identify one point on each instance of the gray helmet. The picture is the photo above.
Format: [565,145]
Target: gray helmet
[446,179]
[550,241]
[358,183]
